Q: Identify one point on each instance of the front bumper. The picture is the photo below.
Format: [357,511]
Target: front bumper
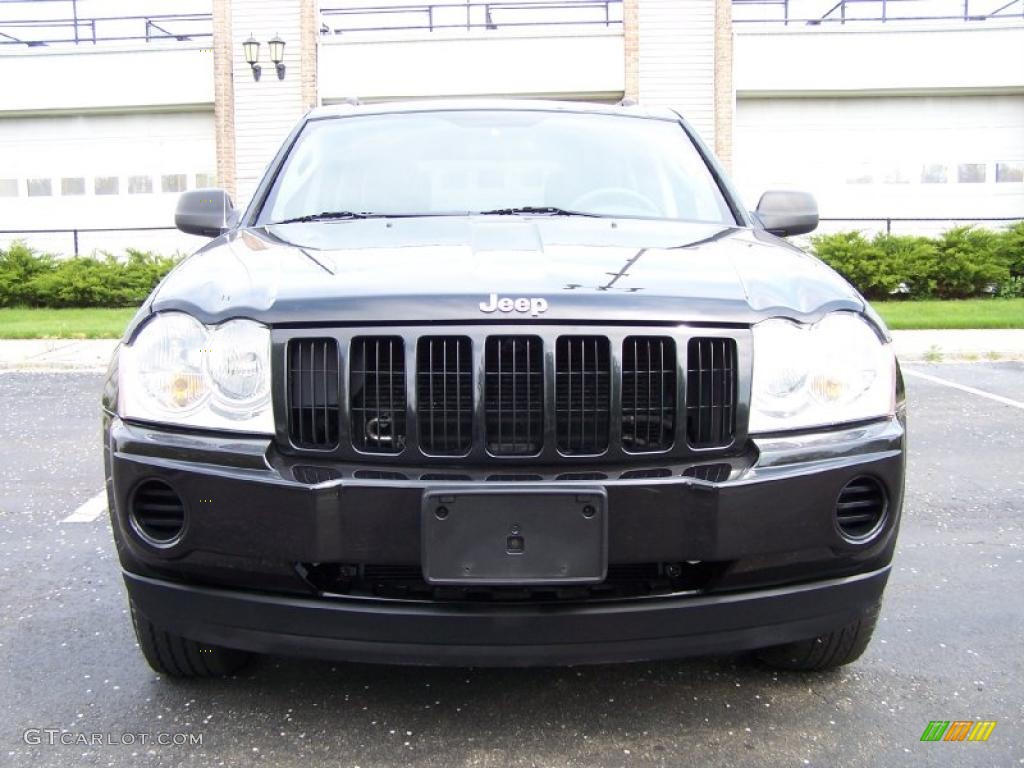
[458,635]
[784,571]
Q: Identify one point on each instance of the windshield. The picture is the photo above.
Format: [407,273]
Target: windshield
[498,162]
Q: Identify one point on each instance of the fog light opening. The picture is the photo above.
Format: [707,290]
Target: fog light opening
[861,510]
[157,513]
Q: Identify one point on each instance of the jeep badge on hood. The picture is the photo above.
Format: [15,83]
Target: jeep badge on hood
[535,306]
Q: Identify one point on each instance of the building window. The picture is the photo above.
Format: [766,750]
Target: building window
[971,173]
[934,173]
[205,180]
[8,187]
[106,185]
[174,182]
[140,185]
[897,175]
[1009,172]
[39,187]
[861,174]
[72,186]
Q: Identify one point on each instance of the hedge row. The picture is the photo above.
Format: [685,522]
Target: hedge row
[960,263]
[33,279]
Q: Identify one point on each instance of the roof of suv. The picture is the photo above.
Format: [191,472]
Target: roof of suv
[437,105]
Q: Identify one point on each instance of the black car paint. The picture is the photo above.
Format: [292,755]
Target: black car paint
[235,579]
[440,268]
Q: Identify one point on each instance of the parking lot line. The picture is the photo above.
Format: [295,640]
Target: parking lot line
[90,510]
[963,388]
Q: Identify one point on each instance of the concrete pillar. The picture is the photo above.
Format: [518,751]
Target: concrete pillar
[253,116]
[631,44]
[725,93]
[224,95]
[679,54]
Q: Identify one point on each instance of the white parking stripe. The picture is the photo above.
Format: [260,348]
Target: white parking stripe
[962,388]
[90,510]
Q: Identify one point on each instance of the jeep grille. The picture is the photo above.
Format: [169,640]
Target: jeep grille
[540,395]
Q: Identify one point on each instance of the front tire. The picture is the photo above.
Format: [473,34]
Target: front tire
[842,645]
[177,656]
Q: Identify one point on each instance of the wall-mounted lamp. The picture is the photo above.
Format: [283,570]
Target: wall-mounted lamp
[277,54]
[251,48]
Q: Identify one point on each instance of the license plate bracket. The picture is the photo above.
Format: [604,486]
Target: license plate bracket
[514,536]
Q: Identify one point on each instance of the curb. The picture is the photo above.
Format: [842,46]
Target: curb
[57,355]
[962,346]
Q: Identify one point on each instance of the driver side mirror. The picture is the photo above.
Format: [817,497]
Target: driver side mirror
[205,212]
[788,212]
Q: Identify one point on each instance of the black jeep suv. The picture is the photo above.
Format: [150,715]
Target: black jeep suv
[508,383]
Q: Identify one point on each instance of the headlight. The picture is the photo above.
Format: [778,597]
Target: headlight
[179,371]
[835,371]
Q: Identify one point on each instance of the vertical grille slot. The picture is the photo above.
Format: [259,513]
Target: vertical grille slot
[711,392]
[582,394]
[313,404]
[377,387]
[514,395]
[444,391]
[648,393]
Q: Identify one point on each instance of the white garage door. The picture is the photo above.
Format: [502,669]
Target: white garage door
[900,156]
[111,170]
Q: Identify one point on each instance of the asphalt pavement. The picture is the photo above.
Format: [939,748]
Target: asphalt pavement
[949,645]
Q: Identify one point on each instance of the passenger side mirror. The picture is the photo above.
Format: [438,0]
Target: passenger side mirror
[205,212]
[788,212]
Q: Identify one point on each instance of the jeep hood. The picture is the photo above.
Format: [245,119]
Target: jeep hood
[431,269]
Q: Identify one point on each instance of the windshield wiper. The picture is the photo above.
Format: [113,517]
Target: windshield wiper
[349,215]
[549,210]
[327,215]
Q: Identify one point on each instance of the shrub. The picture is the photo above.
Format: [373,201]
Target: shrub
[32,279]
[967,264]
[1012,288]
[1009,249]
[962,262]
[19,266]
[911,259]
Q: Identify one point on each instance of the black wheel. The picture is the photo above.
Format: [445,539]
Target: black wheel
[828,651]
[177,656]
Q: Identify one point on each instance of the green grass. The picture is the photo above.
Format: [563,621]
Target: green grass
[966,313]
[99,323]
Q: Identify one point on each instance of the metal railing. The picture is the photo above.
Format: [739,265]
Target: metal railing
[879,11]
[76,231]
[888,221]
[471,15]
[69,26]
[73,28]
